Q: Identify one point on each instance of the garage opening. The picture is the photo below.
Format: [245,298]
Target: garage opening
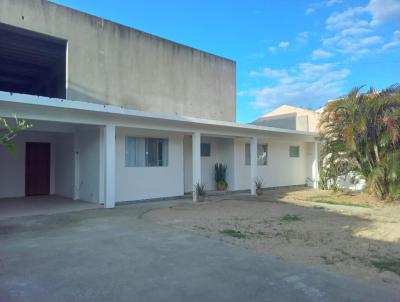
[32,63]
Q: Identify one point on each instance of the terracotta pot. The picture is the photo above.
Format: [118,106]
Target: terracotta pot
[221,186]
[259,191]
[200,198]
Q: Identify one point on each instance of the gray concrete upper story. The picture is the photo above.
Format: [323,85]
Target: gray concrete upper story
[285,121]
[109,63]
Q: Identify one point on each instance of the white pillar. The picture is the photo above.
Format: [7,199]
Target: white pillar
[315,168]
[109,141]
[253,165]
[196,162]
[76,167]
[102,166]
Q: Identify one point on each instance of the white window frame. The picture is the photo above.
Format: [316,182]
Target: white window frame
[296,154]
[144,156]
[201,149]
[262,154]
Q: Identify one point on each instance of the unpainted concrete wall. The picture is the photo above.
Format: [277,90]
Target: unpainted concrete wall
[113,64]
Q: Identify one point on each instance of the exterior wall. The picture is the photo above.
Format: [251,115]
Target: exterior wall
[290,117]
[89,163]
[136,183]
[112,64]
[309,148]
[64,167]
[221,152]
[12,182]
[287,121]
[281,170]
[187,164]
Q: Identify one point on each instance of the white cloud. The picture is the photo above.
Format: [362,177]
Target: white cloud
[384,11]
[333,2]
[396,35]
[394,42]
[271,73]
[319,54]
[350,18]
[303,37]
[306,82]
[355,46]
[283,44]
[309,11]
[353,32]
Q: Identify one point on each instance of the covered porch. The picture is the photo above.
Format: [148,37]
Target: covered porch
[120,155]
[266,157]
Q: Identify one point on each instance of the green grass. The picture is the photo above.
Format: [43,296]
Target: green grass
[233,233]
[386,264]
[327,200]
[291,218]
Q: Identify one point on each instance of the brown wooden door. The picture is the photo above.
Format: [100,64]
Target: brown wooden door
[37,169]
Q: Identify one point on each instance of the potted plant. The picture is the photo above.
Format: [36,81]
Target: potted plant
[220,176]
[200,191]
[259,182]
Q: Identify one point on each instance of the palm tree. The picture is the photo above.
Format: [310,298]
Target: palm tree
[361,132]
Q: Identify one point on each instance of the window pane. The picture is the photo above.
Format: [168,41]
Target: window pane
[247,154]
[142,152]
[164,153]
[134,152]
[262,155]
[156,152]
[151,152]
[205,149]
[294,151]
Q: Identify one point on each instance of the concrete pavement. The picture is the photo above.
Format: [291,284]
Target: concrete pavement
[117,255]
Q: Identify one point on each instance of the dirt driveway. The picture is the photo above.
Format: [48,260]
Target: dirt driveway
[362,241]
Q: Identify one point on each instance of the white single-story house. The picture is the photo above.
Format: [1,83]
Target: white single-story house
[109,154]
[122,115]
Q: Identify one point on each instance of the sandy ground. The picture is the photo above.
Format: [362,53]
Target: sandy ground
[362,241]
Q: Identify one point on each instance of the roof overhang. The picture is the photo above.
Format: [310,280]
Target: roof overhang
[69,111]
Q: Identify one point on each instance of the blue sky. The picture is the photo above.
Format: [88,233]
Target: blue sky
[287,52]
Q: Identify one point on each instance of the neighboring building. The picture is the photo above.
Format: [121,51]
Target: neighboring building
[290,117]
[121,115]
[296,118]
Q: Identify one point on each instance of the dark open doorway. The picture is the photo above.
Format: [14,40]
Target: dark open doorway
[37,169]
[32,63]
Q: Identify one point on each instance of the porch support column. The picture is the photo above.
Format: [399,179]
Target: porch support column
[76,166]
[196,138]
[109,141]
[315,168]
[253,164]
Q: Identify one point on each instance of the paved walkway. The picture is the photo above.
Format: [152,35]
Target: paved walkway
[117,255]
[41,205]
